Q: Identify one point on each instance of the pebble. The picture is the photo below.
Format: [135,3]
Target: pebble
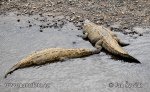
[18,20]
[30,25]
[41,30]
[74,42]
[28,21]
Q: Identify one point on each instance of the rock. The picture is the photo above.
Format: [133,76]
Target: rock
[41,15]
[59,2]
[55,25]
[74,42]
[30,25]
[41,30]
[18,20]
[28,21]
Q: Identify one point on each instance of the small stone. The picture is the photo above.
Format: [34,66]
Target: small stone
[28,21]
[122,12]
[41,15]
[40,25]
[44,26]
[59,2]
[34,7]
[41,30]
[81,20]
[140,5]
[79,28]
[74,42]
[55,25]
[140,34]
[125,27]
[30,25]
[136,1]
[53,16]
[18,20]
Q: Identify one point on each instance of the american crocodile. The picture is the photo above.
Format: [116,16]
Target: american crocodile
[52,55]
[102,37]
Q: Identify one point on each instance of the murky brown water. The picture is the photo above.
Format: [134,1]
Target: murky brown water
[97,73]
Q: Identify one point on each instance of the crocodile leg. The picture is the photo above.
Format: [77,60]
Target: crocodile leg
[120,42]
[117,39]
[98,45]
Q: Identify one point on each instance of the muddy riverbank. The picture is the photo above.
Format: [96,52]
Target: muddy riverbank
[27,26]
[21,35]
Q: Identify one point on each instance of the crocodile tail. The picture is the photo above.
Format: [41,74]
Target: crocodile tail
[11,70]
[119,52]
[130,59]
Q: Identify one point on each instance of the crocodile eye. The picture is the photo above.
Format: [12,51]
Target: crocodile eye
[84,32]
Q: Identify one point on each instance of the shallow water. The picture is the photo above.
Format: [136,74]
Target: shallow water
[97,73]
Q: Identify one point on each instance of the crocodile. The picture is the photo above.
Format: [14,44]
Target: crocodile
[51,55]
[103,38]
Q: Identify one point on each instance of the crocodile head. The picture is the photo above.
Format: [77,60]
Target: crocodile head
[86,26]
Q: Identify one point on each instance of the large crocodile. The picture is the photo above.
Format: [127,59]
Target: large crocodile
[102,37]
[52,55]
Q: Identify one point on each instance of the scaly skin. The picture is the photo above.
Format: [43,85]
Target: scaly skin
[102,37]
[51,55]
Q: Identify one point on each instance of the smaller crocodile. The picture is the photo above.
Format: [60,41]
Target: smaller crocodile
[102,37]
[51,55]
